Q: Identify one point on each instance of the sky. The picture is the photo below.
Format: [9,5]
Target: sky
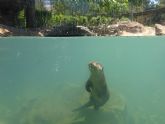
[155,1]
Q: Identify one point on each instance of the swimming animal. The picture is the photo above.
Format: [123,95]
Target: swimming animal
[96,86]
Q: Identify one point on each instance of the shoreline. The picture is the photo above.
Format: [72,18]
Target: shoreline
[123,28]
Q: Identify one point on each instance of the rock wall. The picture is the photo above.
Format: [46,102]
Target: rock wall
[159,29]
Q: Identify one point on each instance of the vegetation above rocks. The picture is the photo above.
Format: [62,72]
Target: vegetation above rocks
[34,13]
[97,15]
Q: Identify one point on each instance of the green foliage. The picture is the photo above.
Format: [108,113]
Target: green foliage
[96,12]
[136,2]
[93,7]
[98,20]
[80,20]
[87,12]
[114,8]
[21,19]
[94,21]
[63,19]
[83,20]
[124,19]
[60,7]
[42,18]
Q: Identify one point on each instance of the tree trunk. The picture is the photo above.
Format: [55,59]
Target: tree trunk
[30,13]
[131,13]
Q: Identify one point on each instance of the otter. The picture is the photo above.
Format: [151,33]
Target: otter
[96,86]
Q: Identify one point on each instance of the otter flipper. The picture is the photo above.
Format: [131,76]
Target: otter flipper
[88,86]
[88,104]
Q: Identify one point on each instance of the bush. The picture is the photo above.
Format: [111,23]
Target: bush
[21,19]
[83,20]
[124,19]
[93,21]
[68,19]
[43,18]
[99,20]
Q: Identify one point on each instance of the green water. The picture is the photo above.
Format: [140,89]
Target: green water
[42,79]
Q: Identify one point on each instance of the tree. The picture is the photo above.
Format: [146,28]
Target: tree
[162,2]
[30,13]
[114,7]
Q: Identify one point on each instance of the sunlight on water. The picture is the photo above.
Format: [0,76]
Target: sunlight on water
[42,80]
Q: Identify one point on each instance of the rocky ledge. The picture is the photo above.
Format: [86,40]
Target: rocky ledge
[6,31]
[159,29]
[124,28]
[70,30]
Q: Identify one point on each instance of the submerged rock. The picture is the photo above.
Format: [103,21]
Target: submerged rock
[113,112]
[58,110]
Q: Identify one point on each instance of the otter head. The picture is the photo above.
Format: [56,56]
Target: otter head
[95,68]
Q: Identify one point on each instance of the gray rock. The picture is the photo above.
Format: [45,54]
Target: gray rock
[132,27]
[118,28]
[113,112]
[70,30]
[159,29]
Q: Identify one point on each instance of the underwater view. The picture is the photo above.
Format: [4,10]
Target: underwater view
[46,80]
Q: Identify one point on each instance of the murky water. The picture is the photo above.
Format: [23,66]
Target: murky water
[42,79]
